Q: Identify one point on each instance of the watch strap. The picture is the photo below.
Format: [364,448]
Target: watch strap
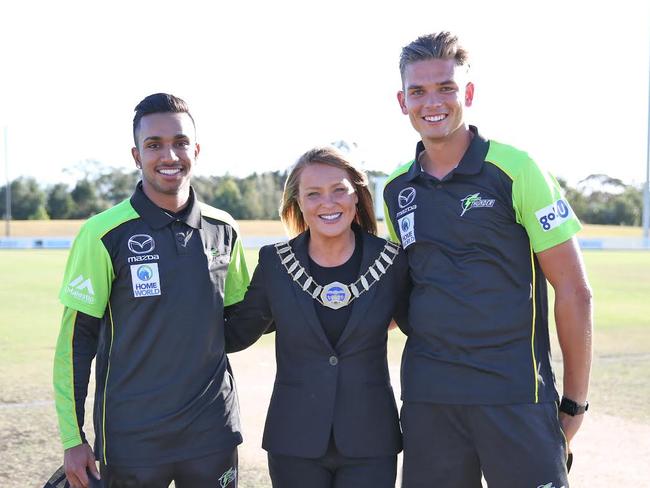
[572,408]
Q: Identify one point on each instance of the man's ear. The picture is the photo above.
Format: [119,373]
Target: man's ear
[469,94]
[136,157]
[401,98]
[197,150]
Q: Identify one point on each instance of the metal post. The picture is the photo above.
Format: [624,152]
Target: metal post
[646,187]
[8,187]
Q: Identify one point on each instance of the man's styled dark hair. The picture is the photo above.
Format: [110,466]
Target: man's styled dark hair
[158,103]
[441,45]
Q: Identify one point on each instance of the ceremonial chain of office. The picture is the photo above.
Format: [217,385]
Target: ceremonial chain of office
[336,295]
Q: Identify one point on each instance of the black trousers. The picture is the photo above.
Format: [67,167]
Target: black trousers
[333,470]
[451,446]
[217,470]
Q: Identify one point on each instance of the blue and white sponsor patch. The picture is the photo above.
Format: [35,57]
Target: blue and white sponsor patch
[145,279]
[554,215]
[407,229]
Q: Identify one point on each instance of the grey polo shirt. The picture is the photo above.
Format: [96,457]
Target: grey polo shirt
[158,285]
[478,309]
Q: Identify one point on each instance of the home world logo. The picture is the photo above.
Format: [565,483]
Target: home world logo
[82,289]
[145,280]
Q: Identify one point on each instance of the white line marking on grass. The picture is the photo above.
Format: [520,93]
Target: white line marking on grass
[37,403]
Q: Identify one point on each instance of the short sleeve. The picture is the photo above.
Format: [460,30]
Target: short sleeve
[392,235]
[541,207]
[237,279]
[88,275]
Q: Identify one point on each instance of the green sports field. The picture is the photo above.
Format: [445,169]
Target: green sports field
[29,318]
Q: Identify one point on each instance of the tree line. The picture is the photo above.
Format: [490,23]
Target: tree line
[598,199]
[601,199]
[256,196]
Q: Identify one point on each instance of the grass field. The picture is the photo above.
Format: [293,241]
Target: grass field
[29,319]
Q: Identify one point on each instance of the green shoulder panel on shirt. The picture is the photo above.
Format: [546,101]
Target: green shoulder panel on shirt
[215,213]
[540,206]
[389,223]
[89,271]
[237,279]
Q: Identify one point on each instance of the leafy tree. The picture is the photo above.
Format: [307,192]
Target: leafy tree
[27,200]
[228,197]
[39,214]
[86,200]
[261,195]
[600,183]
[252,207]
[88,169]
[600,199]
[205,188]
[630,203]
[116,185]
[60,204]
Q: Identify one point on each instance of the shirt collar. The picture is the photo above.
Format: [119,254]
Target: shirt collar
[470,164]
[157,217]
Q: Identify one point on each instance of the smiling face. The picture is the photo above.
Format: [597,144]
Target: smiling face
[166,152]
[327,200]
[434,97]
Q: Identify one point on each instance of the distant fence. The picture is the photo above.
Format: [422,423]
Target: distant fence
[35,242]
[254,242]
[622,243]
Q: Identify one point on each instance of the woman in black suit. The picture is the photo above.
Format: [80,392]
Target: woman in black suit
[330,294]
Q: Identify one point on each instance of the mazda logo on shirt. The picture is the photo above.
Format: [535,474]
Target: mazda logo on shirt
[406,196]
[141,244]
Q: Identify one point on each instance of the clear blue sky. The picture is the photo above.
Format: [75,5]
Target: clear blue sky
[566,81]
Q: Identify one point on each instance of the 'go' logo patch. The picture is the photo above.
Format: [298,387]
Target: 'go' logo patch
[554,215]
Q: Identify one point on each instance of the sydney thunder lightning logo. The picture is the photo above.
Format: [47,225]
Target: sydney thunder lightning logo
[228,477]
[474,201]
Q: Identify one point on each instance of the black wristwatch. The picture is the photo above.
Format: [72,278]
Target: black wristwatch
[572,408]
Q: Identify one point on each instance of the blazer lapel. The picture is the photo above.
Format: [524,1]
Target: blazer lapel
[305,302]
[370,252]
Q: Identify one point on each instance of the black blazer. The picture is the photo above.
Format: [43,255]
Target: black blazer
[319,388]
